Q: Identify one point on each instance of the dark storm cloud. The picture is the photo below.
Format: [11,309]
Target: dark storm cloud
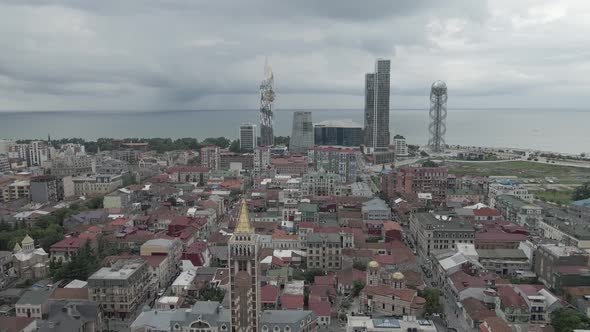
[178,53]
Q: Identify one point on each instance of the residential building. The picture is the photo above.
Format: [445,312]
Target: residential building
[72,315]
[288,320]
[432,180]
[389,324]
[377,106]
[338,133]
[227,159]
[324,251]
[111,166]
[96,184]
[164,247]
[345,162]
[37,153]
[195,174]
[293,165]
[4,163]
[46,188]
[320,183]
[122,288]
[401,148]
[376,209]
[435,234]
[248,137]
[504,262]
[244,273]
[72,166]
[202,316]
[549,257]
[302,133]
[210,157]
[565,227]
[33,304]
[14,190]
[519,211]
[581,207]
[541,302]
[64,249]
[261,160]
[507,188]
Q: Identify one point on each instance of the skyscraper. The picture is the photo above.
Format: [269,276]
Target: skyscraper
[377,106]
[438,116]
[302,133]
[247,137]
[267,97]
[243,274]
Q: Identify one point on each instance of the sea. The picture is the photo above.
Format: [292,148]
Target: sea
[558,130]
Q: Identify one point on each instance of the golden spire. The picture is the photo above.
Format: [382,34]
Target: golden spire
[243,225]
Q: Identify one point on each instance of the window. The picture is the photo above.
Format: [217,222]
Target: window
[276,328]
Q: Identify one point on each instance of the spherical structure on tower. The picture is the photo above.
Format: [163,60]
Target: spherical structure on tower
[439,88]
[373,265]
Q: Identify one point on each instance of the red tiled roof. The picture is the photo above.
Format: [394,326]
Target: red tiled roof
[15,324]
[496,235]
[510,298]
[320,308]
[154,261]
[392,226]
[477,310]
[462,281]
[494,324]
[292,301]
[280,234]
[574,269]
[324,280]
[347,277]
[486,212]
[529,290]
[177,169]
[269,294]
[406,294]
[69,243]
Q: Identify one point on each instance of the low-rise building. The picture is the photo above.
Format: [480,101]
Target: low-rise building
[519,211]
[320,183]
[33,303]
[376,209]
[504,262]
[434,234]
[548,258]
[96,184]
[507,188]
[566,227]
[288,320]
[202,316]
[14,190]
[388,324]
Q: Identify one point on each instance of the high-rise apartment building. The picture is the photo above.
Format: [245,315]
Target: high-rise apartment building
[243,275]
[210,157]
[261,160]
[302,133]
[46,188]
[248,137]
[377,107]
[401,148]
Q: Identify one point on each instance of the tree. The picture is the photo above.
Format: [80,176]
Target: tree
[567,320]
[194,161]
[359,265]
[357,287]
[210,293]
[309,275]
[424,154]
[282,140]
[429,163]
[581,192]
[432,297]
[235,146]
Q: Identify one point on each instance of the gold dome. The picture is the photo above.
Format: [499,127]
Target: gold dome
[373,264]
[397,276]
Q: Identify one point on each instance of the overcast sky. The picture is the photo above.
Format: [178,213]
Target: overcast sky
[193,54]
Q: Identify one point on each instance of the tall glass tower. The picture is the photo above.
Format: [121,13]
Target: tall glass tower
[302,133]
[376,131]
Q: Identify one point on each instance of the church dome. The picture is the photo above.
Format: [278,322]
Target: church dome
[397,276]
[373,264]
[27,240]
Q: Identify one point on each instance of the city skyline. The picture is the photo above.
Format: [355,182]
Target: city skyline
[495,53]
